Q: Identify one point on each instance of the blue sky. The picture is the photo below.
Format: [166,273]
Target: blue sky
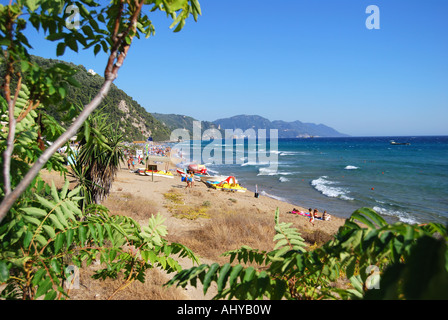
[308,60]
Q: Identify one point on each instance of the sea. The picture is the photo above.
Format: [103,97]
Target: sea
[402,182]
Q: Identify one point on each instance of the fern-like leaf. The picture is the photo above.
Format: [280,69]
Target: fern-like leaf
[287,238]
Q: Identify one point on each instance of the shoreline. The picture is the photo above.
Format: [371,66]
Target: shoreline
[153,188]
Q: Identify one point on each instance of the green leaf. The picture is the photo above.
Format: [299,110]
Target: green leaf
[96,49]
[4,272]
[56,222]
[236,270]
[223,275]
[70,234]
[32,5]
[32,220]
[64,189]
[249,274]
[38,276]
[62,92]
[58,243]
[27,238]
[67,212]
[49,230]
[82,234]
[369,217]
[72,44]
[61,216]
[24,65]
[54,192]
[45,202]
[357,284]
[43,287]
[279,289]
[350,270]
[43,242]
[36,212]
[56,266]
[209,276]
[60,49]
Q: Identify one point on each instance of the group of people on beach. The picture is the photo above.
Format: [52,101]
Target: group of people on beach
[313,215]
[159,150]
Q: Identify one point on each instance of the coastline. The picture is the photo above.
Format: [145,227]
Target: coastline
[154,188]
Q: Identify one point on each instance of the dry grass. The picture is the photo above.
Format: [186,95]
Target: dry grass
[315,237]
[137,208]
[229,230]
[122,203]
[151,289]
[178,207]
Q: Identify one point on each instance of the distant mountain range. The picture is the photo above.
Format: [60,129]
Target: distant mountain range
[295,129]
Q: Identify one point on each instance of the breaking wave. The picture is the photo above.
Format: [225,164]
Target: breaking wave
[328,188]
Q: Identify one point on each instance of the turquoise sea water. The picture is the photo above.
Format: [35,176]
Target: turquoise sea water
[401,182]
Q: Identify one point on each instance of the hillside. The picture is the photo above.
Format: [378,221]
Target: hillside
[134,121]
[177,121]
[295,129]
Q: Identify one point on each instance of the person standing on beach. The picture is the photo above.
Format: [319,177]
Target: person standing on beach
[315,214]
[189,180]
[192,180]
[311,216]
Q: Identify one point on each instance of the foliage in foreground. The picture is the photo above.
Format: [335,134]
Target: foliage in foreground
[97,158]
[43,242]
[381,260]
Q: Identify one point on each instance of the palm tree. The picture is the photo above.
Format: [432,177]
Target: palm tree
[98,158]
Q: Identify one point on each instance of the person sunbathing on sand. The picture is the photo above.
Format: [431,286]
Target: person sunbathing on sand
[326,216]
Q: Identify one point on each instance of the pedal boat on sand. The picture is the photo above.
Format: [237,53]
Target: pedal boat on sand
[229,184]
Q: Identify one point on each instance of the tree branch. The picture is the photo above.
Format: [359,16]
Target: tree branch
[7,154]
[11,197]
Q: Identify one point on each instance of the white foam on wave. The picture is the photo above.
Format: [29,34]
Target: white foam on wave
[351,168]
[294,153]
[272,172]
[213,171]
[401,215]
[264,193]
[254,163]
[283,179]
[327,188]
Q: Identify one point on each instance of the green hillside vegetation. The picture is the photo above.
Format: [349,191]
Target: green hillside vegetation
[135,122]
[177,121]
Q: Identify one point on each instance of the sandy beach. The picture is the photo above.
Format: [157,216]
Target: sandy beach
[197,217]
